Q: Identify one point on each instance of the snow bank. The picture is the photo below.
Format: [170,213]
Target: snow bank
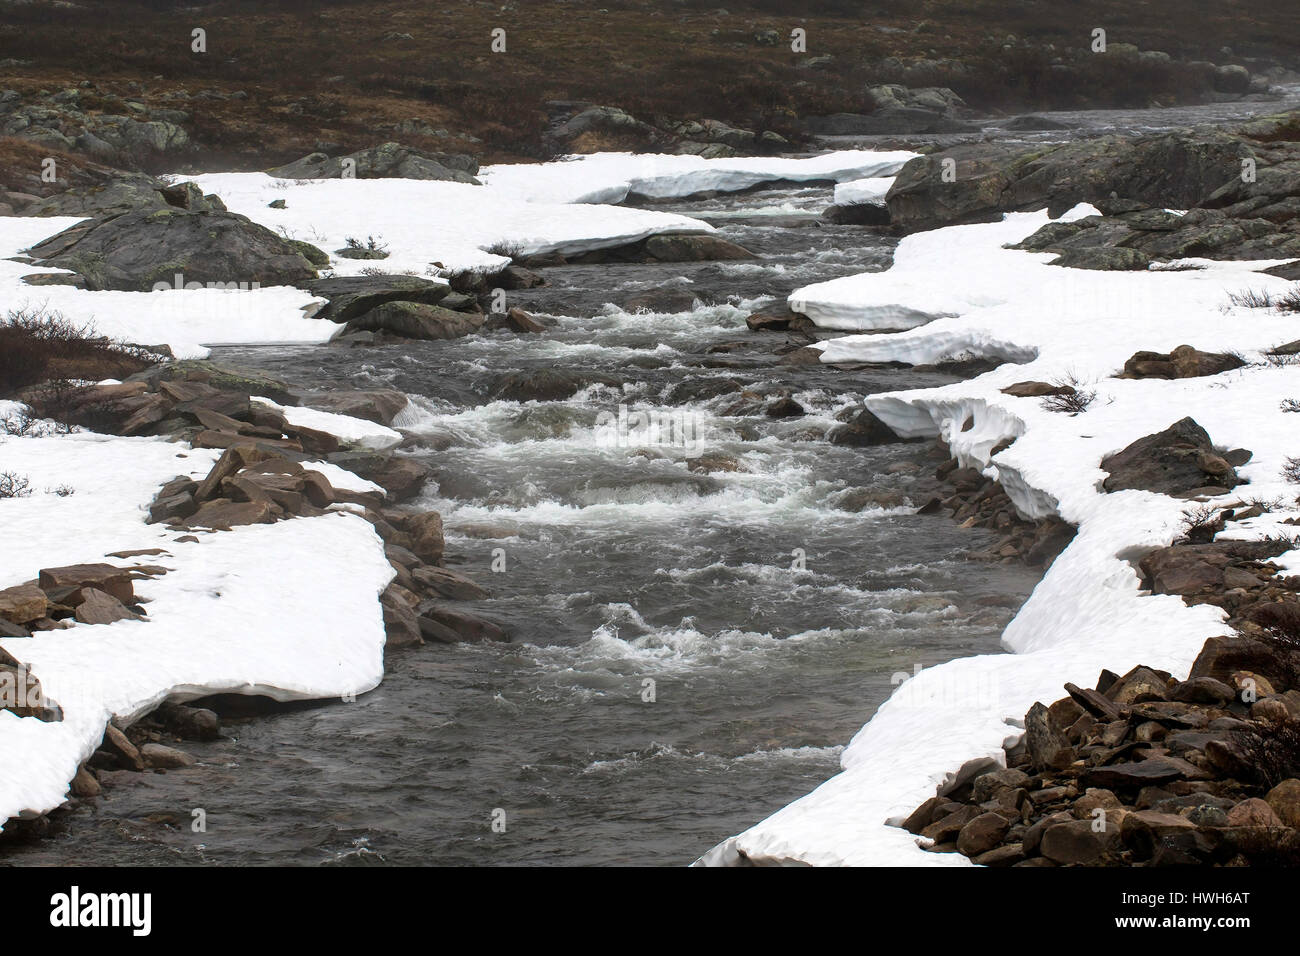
[260,609]
[1087,613]
[871,189]
[612,177]
[185,320]
[422,223]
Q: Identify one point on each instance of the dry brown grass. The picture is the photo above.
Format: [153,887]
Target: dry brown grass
[322,70]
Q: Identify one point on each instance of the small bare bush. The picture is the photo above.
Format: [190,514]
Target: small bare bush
[1291,471]
[1252,299]
[1073,398]
[13,485]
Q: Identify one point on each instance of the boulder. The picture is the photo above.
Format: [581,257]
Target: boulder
[380,405]
[136,250]
[1175,170]
[514,320]
[401,477]
[1047,747]
[415,320]
[1140,773]
[1284,800]
[162,757]
[447,584]
[542,385]
[1253,813]
[22,604]
[352,296]
[222,514]
[1182,362]
[1077,842]
[584,128]
[862,430]
[1168,462]
[123,751]
[982,834]
[385,161]
[103,577]
[692,248]
[1103,258]
[96,607]
[441,623]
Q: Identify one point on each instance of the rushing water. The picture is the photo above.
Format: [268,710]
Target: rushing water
[767,606]
[768,611]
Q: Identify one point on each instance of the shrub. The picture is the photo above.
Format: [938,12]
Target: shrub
[1073,398]
[1201,524]
[14,485]
[1270,751]
[37,345]
[1251,299]
[1291,471]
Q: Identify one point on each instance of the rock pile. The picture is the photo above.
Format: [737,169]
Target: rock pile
[385,161]
[1143,769]
[977,501]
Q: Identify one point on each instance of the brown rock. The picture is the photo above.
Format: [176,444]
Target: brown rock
[84,785]
[1253,813]
[1047,747]
[425,529]
[923,816]
[1141,773]
[1008,855]
[1220,657]
[96,607]
[441,623]
[162,757]
[448,584]
[1139,685]
[22,604]
[982,834]
[1284,799]
[222,514]
[1203,690]
[1077,842]
[946,828]
[233,459]
[104,577]
[401,624]
[1036,390]
[116,743]
[1094,798]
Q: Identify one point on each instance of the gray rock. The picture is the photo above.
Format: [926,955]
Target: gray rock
[416,320]
[351,296]
[385,161]
[135,250]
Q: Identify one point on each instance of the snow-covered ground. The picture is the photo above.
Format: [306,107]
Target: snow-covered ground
[957,291]
[261,609]
[265,608]
[872,190]
[612,177]
[428,229]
